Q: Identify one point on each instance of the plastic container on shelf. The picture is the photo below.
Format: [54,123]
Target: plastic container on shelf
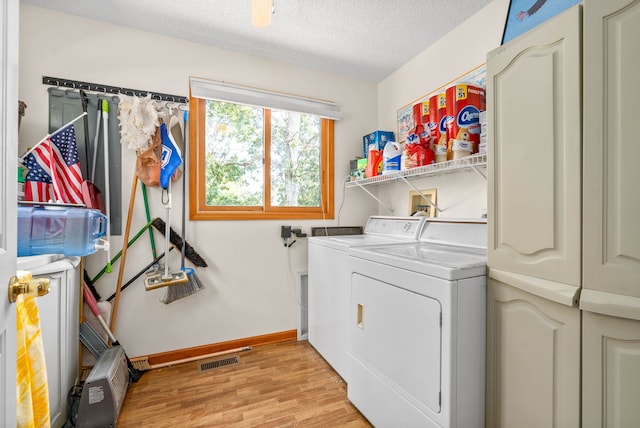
[374,163]
[391,157]
[60,230]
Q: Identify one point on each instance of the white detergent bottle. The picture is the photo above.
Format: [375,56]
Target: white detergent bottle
[391,157]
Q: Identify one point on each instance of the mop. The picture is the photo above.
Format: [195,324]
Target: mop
[171,160]
[107,206]
[193,285]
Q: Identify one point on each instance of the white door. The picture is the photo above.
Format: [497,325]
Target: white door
[534,122]
[610,371]
[8,190]
[611,150]
[533,360]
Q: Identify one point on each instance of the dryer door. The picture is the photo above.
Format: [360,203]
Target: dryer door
[396,342]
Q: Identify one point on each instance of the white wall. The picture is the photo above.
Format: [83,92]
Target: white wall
[456,53]
[250,279]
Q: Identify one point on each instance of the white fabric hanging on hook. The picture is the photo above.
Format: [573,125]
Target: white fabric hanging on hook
[138,121]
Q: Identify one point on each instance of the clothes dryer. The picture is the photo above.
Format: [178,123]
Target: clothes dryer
[329,276]
[417,328]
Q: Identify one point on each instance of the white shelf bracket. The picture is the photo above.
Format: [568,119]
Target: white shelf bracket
[480,173]
[423,196]
[374,197]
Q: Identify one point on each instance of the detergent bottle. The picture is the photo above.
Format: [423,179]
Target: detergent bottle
[391,157]
[374,159]
[60,230]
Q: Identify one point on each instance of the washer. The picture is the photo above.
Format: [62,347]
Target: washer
[329,276]
[417,328]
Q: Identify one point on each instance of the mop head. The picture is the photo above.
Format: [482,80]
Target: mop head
[162,280]
[138,121]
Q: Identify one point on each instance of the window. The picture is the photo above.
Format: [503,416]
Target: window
[255,163]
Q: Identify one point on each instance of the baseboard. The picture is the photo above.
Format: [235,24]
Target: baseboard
[181,354]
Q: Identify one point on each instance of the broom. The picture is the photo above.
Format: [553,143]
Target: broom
[193,284]
[169,166]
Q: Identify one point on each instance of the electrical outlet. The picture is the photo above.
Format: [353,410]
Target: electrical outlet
[285,232]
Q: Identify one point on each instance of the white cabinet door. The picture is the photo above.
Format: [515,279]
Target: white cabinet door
[611,146]
[611,371]
[534,162]
[533,360]
[59,319]
[52,308]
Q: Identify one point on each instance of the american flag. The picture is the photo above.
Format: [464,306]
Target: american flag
[60,180]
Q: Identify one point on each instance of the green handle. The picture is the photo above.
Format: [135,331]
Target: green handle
[105,106]
[148,214]
[117,256]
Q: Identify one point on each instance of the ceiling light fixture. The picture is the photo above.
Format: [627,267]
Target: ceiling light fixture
[261,11]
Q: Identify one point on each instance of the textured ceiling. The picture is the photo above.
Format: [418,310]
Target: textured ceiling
[364,39]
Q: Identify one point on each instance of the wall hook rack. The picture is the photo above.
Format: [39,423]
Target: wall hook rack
[106,89]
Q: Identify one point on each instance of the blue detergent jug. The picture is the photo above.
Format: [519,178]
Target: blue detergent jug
[59,230]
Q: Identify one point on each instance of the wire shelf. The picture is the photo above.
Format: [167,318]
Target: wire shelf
[473,161]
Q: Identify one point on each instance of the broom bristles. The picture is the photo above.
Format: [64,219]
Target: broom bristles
[180,291]
[190,253]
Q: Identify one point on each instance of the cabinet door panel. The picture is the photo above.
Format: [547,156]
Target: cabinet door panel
[611,147]
[534,124]
[611,371]
[533,360]
[54,336]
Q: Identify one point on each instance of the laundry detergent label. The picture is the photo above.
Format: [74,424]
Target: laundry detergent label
[391,164]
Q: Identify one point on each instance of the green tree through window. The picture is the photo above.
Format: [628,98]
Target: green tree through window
[295,159]
[260,163]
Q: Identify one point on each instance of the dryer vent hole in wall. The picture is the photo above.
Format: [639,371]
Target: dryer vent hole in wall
[418,205]
[223,362]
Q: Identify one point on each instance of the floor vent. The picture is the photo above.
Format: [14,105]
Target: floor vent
[210,365]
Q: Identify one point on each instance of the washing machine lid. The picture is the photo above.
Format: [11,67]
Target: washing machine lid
[450,262]
[378,230]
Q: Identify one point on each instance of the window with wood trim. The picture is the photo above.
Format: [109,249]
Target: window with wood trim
[254,163]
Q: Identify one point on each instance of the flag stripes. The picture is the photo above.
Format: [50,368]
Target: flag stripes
[54,170]
[67,179]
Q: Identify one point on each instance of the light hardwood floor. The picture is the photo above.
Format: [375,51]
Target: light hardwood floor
[281,385]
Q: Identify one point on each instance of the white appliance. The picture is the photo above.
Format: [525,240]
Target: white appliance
[104,390]
[329,276]
[417,328]
[58,312]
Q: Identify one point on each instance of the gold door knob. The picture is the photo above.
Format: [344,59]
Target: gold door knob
[23,283]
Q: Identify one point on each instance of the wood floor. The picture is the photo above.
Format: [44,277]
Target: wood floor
[281,385]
